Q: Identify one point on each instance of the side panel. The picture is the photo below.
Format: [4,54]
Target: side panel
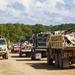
[57,41]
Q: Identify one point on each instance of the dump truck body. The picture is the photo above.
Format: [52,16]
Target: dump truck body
[62,42]
[61,49]
[39,45]
[25,47]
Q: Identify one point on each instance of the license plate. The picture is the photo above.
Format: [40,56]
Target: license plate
[16,48]
[38,55]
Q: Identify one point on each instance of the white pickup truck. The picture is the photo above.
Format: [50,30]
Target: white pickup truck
[3,48]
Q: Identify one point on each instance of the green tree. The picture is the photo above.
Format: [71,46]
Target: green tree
[37,28]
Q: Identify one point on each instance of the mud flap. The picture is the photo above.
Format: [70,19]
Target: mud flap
[56,60]
[65,62]
[38,56]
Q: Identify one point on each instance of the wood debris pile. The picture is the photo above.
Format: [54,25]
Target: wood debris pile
[70,37]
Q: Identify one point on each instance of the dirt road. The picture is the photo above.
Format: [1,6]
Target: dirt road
[25,66]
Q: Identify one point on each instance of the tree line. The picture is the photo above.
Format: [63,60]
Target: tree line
[17,31]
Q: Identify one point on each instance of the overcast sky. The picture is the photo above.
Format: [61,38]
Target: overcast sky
[44,12]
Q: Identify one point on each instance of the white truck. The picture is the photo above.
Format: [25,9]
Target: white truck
[3,48]
[61,49]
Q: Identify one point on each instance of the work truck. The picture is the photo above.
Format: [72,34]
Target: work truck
[61,49]
[25,47]
[3,48]
[39,45]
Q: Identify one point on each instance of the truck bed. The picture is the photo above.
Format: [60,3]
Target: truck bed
[59,42]
[69,48]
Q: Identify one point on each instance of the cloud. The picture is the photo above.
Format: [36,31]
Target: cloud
[37,11]
[3,4]
[17,6]
[41,0]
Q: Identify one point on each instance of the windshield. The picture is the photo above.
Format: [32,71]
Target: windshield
[2,42]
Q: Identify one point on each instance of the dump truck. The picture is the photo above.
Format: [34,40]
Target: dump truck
[61,49]
[3,48]
[25,47]
[39,45]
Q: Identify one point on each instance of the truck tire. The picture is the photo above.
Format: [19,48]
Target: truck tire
[49,60]
[32,54]
[20,54]
[57,60]
[60,61]
[27,54]
[5,56]
[33,57]
[63,62]
[11,51]
[43,54]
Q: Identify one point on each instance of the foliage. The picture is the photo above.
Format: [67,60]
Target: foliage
[17,31]
[37,28]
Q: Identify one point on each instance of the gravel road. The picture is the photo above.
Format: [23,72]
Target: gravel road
[25,66]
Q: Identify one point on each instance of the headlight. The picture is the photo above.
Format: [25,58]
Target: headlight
[4,49]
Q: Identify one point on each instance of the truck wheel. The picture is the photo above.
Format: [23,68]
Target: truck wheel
[56,60]
[20,54]
[49,60]
[3,56]
[63,62]
[60,61]
[43,54]
[12,51]
[33,57]
[27,55]
[6,56]
[32,54]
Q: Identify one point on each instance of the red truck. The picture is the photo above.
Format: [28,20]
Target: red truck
[15,48]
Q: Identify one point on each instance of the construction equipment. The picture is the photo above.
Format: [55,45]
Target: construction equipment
[25,47]
[61,49]
[3,48]
[39,45]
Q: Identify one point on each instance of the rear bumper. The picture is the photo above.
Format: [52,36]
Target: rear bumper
[69,48]
[26,50]
[41,49]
